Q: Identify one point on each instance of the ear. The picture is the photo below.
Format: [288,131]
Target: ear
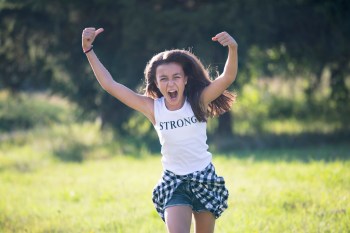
[186,79]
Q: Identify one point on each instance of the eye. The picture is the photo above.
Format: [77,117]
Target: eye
[162,79]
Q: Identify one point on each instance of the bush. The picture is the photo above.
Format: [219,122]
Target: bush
[25,111]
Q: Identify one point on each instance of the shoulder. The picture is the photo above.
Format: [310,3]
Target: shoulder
[147,107]
[158,102]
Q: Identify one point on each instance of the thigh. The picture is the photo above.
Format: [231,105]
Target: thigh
[178,219]
[204,222]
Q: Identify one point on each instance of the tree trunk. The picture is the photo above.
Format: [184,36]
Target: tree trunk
[314,84]
[339,93]
[225,125]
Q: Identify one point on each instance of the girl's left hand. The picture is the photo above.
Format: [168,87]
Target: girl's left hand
[225,40]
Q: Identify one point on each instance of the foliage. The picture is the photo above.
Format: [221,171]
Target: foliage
[261,120]
[40,45]
[25,111]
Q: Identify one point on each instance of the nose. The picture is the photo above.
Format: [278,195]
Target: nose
[171,82]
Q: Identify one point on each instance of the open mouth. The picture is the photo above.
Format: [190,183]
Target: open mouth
[172,94]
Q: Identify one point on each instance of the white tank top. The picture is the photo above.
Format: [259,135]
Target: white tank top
[182,137]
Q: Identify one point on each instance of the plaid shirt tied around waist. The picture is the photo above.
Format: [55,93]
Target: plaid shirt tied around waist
[208,188]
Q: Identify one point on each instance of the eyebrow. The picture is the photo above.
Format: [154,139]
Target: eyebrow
[165,76]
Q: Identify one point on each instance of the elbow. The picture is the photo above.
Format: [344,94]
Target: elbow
[230,79]
[110,86]
[230,75]
[107,86]
[234,78]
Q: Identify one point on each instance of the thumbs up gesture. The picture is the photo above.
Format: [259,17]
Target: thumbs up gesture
[88,37]
[225,40]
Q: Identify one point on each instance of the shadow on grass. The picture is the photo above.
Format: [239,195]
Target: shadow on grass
[268,147]
[71,152]
[325,153]
[304,147]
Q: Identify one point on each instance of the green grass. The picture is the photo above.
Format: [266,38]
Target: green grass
[59,175]
[289,190]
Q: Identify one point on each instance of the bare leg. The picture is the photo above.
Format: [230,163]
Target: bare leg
[178,219]
[204,222]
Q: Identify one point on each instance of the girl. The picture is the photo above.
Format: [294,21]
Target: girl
[179,97]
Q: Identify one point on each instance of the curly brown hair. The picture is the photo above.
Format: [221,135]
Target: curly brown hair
[197,79]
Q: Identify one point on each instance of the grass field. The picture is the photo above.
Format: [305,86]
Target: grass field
[59,174]
[289,190]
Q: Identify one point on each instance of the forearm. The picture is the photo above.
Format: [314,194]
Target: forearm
[230,70]
[119,91]
[101,73]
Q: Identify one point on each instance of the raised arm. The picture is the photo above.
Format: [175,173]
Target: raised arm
[221,83]
[138,102]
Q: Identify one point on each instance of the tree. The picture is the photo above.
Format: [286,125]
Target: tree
[24,43]
[40,43]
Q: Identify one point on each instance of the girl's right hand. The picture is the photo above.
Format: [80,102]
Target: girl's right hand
[88,37]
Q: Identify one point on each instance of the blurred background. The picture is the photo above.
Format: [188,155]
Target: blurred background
[293,84]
